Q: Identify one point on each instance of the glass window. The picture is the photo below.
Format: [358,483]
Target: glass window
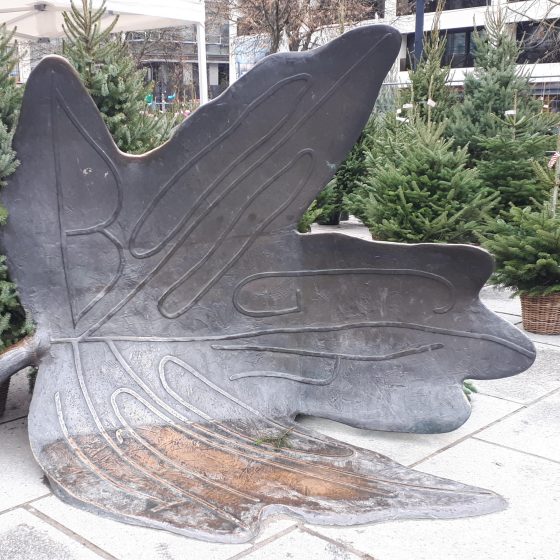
[541,41]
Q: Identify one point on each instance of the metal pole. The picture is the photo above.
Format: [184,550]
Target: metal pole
[419,32]
[232,41]
[202,73]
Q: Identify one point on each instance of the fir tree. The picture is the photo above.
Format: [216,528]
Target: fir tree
[430,96]
[496,86]
[10,93]
[508,164]
[386,139]
[331,201]
[110,75]
[426,193]
[13,325]
[527,250]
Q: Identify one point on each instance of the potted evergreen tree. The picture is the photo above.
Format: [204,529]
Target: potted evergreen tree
[527,252]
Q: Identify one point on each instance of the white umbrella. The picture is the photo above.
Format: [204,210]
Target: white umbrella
[35,20]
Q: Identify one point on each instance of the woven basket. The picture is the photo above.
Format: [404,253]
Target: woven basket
[541,314]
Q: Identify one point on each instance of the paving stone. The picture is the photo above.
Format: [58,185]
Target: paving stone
[352,227]
[527,530]
[22,479]
[535,429]
[409,448]
[19,397]
[513,319]
[500,300]
[541,378]
[274,526]
[128,542]
[299,545]
[548,339]
[24,537]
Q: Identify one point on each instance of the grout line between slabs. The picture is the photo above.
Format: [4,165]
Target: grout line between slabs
[2,422]
[551,344]
[509,448]
[348,547]
[476,432]
[481,392]
[507,313]
[23,504]
[461,440]
[69,533]
[264,542]
[542,397]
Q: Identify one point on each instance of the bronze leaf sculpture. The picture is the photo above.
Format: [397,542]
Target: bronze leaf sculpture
[182,323]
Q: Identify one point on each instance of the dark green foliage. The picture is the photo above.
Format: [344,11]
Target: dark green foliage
[351,171]
[329,203]
[495,86]
[110,75]
[424,192]
[10,94]
[311,214]
[8,162]
[507,164]
[10,100]
[385,140]
[13,325]
[527,250]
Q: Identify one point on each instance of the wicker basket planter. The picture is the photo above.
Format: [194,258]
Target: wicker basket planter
[541,314]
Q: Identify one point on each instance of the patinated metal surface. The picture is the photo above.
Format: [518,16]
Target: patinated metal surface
[182,323]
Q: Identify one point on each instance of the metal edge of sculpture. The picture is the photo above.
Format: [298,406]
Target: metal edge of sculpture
[182,323]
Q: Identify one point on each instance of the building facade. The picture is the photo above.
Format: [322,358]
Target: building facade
[534,23]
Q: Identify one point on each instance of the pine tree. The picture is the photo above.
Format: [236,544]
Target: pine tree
[426,193]
[110,75]
[496,86]
[13,325]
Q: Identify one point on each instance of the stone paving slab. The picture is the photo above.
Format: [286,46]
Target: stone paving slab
[527,530]
[500,300]
[539,380]
[21,478]
[410,448]
[300,544]
[128,542]
[513,319]
[25,537]
[533,430]
[548,339]
[352,227]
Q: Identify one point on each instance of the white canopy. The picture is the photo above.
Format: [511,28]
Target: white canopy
[36,20]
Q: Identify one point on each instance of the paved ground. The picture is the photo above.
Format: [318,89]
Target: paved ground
[511,444]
